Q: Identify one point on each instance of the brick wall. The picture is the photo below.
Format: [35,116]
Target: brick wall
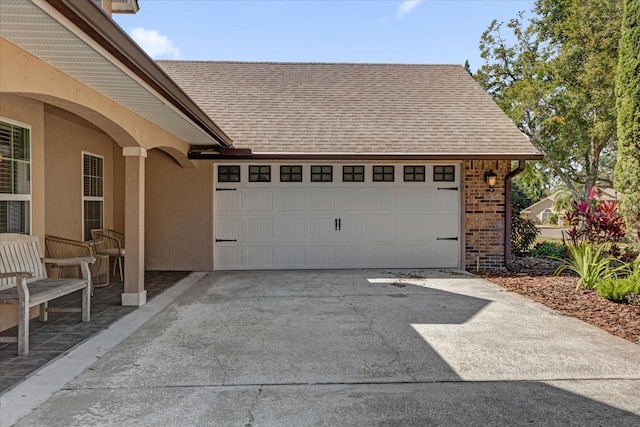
[484,211]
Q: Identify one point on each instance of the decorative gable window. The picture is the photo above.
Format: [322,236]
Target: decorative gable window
[15,178]
[92,193]
[383,173]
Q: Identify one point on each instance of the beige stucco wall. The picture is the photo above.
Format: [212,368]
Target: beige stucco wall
[179,214]
[60,138]
[66,138]
[31,113]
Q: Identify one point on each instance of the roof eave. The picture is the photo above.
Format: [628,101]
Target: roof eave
[245,155]
[102,29]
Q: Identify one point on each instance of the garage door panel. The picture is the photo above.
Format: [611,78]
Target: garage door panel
[289,201]
[381,228]
[288,229]
[320,228]
[381,200]
[257,200]
[228,201]
[319,200]
[319,256]
[229,256]
[228,228]
[348,255]
[337,225]
[350,200]
[289,256]
[353,228]
[257,230]
[259,257]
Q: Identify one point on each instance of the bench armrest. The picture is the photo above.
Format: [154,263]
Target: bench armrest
[69,261]
[17,274]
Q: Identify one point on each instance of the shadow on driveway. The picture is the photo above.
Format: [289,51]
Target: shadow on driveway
[363,347]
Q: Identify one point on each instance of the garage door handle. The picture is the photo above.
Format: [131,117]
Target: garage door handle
[447,238]
[226,240]
[226,189]
[339,224]
[448,188]
[335,224]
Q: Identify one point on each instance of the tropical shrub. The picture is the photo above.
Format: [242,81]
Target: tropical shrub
[549,250]
[590,262]
[596,222]
[617,289]
[523,234]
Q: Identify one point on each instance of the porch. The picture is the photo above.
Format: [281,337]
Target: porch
[64,331]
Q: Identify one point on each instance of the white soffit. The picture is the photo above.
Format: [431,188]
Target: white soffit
[28,26]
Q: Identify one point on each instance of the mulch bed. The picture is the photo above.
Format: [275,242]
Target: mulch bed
[534,279]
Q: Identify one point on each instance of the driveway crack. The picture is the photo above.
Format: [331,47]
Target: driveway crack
[251,417]
[381,337]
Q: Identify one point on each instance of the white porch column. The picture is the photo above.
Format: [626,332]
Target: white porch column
[134,292]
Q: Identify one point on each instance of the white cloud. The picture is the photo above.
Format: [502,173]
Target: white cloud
[154,44]
[406,7]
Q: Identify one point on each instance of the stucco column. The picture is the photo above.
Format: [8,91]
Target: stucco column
[134,292]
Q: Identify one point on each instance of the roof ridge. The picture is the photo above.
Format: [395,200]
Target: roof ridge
[204,61]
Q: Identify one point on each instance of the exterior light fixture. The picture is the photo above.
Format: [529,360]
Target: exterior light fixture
[490,178]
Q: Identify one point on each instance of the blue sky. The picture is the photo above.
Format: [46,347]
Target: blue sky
[372,31]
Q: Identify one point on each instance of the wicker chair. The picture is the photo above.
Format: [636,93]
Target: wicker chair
[110,242]
[60,247]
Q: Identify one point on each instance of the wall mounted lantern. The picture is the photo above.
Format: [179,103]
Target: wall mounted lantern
[490,178]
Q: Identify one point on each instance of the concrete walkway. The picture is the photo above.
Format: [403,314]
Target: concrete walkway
[342,348]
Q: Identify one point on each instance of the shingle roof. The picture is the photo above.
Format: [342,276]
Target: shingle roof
[350,108]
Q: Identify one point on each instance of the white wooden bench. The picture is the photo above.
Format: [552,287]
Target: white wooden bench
[24,282]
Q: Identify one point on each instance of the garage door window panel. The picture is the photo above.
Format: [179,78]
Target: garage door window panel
[290,173]
[260,173]
[321,173]
[414,174]
[444,173]
[353,173]
[383,173]
[228,173]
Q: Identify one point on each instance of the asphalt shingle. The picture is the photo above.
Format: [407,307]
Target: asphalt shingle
[350,108]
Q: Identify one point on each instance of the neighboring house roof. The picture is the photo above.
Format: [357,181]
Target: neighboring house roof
[316,108]
[81,40]
[603,194]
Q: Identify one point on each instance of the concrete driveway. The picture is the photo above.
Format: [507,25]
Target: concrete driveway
[342,348]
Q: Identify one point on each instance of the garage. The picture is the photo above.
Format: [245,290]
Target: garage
[307,215]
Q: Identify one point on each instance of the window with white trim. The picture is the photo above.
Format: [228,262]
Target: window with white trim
[92,193]
[15,178]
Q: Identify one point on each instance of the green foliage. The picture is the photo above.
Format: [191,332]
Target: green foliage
[627,170]
[553,250]
[556,82]
[616,289]
[590,263]
[523,233]
[519,198]
[552,219]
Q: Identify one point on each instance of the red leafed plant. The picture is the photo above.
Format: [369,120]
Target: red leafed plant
[594,221]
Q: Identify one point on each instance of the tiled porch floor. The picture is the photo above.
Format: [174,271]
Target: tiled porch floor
[48,340]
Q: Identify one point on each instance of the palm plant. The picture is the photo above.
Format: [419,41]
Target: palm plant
[590,263]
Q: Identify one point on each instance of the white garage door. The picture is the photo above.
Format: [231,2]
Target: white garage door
[314,215]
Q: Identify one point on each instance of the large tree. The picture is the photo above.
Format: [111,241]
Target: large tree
[554,76]
[627,170]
